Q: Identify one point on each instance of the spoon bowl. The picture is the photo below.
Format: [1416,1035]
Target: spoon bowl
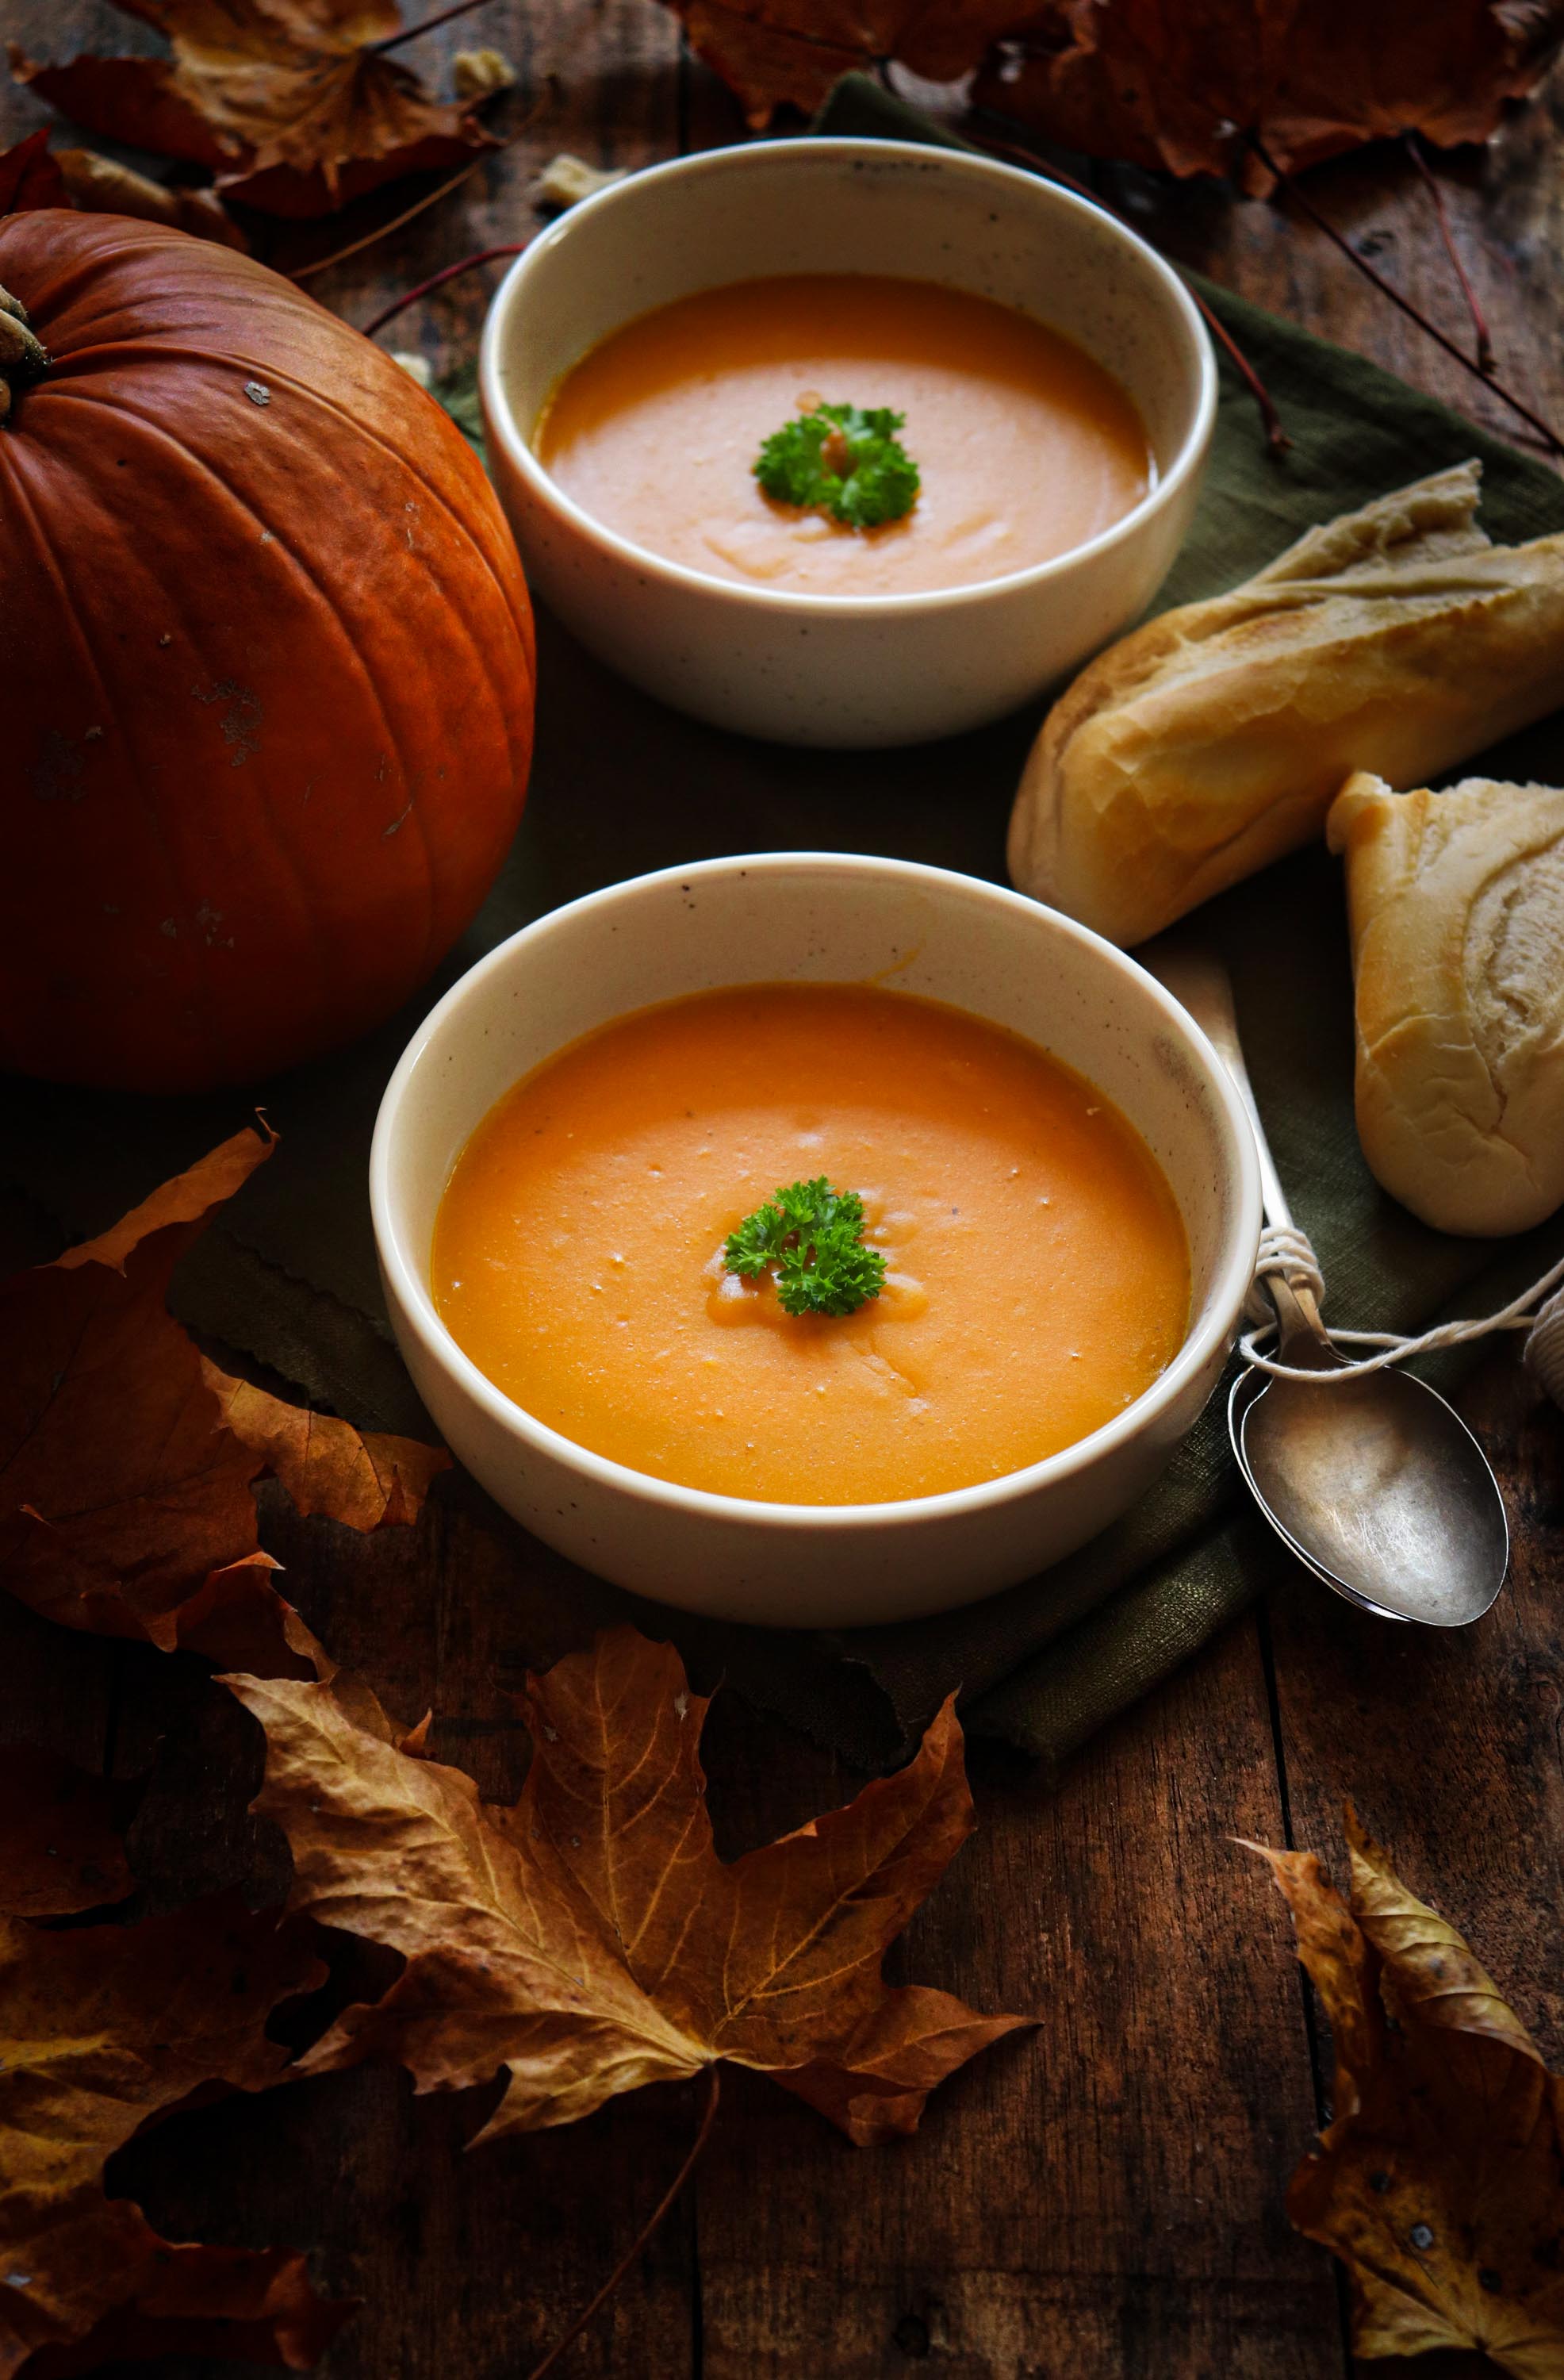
[1378,1486]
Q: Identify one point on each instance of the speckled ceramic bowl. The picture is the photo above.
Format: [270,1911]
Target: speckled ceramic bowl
[821,918]
[825,669]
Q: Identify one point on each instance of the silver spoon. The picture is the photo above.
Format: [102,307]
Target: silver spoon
[1377,1484]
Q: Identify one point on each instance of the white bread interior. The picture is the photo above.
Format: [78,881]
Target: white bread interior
[1457,911]
[1212,740]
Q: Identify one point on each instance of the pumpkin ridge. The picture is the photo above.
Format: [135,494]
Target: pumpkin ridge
[327,973]
[430,955]
[318,397]
[522,618]
[62,386]
[189,954]
[168,349]
[275,379]
[43,301]
[433,949]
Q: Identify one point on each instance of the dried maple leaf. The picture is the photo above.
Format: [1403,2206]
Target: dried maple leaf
[1174,83]
[119,1490]
[1169,84]
[774,54]
[1439,2181]
[29,176]
[127,1460]
[60,1847]
[325,1465]
[102,2030]
[589,1940]
[289,103]
[101,186]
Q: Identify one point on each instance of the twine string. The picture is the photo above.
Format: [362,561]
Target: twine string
[1288,1256]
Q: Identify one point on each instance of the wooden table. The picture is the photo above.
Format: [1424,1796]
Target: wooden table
[1101,2197]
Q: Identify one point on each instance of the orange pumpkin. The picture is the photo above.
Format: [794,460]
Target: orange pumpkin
[266,667]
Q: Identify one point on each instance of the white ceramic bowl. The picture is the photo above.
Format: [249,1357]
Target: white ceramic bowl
[813,916]
[820,669]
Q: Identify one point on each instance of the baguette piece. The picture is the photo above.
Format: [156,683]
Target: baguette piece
[1457,911]
[1213,739]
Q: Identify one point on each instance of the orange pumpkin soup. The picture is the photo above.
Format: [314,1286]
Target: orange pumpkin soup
[1037,1274]
[1025,447]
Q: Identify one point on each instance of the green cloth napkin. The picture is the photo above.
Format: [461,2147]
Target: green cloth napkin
[620,785]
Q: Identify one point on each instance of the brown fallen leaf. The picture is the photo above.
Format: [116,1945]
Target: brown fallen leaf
[1176,84]
[60,1847]
[1173,83]
[127,1460]
[119,1489]
[237,1619]
[1439,2181]
[325,1465]
[30,177]
[102,186]
[33,176]
[776,53]
[588,1940]
[186,1198]
[288,103]
[102,2030]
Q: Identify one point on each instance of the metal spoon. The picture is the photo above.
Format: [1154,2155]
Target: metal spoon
[1377,1484]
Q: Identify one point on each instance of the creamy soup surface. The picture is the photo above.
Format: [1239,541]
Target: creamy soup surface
[1037,1271]
[1026,447]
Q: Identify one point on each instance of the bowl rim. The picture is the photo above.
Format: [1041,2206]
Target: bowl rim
[746,157]
[1205,1338]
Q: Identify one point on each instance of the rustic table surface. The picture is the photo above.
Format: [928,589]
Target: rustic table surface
[1103,2196]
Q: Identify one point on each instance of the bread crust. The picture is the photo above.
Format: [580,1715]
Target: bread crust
[1457,909]
[1212,741]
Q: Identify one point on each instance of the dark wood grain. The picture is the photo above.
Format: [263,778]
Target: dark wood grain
[1102,2196]
[1506,206]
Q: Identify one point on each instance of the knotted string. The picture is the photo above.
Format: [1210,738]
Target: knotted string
[1287,1255]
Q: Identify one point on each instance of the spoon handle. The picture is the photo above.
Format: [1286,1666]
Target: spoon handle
[1199,982]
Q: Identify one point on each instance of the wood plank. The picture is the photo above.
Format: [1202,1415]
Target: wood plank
[1447,1742]
[466,2263]
[1506,205]
[1104,2195]
[1450,1744]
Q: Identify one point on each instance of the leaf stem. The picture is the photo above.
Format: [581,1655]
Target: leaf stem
[411,32]
[1276,438]
[437,280]
[1371,272]
[429,198]
[703,2132]
[1487,363]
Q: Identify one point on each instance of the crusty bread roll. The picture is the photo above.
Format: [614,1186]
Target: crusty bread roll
[1457,908]
[1213,739]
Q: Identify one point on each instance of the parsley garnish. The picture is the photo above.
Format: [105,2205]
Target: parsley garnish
[842,461]
[811,1236]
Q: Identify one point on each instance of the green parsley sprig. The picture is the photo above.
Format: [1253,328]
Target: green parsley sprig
[842,460]
[811,1237]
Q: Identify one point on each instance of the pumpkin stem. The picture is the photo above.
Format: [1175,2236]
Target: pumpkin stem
[21,356]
